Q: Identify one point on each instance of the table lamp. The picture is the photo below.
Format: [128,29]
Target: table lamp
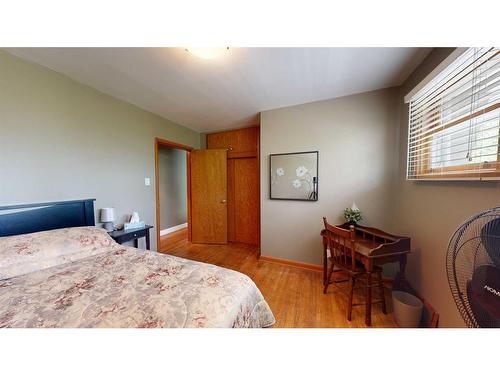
[107,217]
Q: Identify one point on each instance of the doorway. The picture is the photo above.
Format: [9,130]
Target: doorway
[172,184]
[192,191]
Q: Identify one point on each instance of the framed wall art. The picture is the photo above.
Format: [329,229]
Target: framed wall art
[294,176]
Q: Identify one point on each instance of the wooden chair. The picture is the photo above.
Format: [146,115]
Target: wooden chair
[342,245]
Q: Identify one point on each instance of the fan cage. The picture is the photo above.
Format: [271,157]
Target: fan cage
[465,253]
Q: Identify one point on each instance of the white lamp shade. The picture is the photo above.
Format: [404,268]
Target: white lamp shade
[107,214]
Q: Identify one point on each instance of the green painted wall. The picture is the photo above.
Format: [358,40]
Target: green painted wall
[61,140]
[172,176]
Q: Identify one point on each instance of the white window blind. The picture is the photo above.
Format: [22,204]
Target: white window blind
[454,121]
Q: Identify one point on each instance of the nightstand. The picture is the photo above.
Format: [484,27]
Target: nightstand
[122,236]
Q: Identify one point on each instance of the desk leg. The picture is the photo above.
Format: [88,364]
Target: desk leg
[325,262]
[136,243]
[400,279]
[402,266]
[148,241]
[368,316]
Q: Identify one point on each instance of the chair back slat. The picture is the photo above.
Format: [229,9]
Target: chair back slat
[342,244]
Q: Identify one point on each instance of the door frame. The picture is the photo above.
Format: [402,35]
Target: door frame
[188,149]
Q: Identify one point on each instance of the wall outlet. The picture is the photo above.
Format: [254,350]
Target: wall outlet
[147,181]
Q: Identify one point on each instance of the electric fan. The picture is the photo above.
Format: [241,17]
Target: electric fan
[473,267]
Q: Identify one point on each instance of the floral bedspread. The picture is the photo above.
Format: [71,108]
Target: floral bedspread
[118,286]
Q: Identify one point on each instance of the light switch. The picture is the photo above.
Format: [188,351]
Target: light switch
[147,181]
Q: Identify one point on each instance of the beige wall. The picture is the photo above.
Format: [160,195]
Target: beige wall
[62,140]
[203,141]
[356,137]
[430,212]
[172,177]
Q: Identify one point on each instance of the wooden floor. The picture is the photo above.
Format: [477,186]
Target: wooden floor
[295,295]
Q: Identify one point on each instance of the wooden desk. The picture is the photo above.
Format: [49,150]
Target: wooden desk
[374,247]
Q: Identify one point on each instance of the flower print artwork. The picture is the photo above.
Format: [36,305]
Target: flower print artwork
[305,178]
[294,175]
[301,171]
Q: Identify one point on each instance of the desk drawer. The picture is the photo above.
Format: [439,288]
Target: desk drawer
[131,236]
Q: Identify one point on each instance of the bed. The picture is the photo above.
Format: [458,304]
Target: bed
[58,270]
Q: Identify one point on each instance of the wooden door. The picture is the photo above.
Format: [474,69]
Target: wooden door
[231,209]
[243,182]
[246,200]
[243,200]
[209,196]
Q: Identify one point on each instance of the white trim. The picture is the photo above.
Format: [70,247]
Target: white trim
[173,229]
[444,64]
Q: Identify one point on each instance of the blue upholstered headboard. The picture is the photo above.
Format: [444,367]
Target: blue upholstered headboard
[36,217]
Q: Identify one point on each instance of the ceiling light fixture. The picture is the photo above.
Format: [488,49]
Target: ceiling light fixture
[207,53]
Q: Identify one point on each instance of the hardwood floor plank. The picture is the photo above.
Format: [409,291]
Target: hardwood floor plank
[295,295]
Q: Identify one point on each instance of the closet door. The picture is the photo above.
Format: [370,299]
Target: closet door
[243,208]
[209,196]
[231,195]
[246,200]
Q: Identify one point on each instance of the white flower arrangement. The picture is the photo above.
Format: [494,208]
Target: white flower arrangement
[353,215]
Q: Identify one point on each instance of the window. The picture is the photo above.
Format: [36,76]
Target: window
[454,120]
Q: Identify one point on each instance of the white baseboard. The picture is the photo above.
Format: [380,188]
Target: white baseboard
[173,229]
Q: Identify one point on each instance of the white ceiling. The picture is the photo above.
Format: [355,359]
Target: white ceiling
[231,90]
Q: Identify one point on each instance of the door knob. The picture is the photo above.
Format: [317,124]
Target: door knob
[223,201]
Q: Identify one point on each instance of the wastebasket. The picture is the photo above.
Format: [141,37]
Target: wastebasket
[407,309]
